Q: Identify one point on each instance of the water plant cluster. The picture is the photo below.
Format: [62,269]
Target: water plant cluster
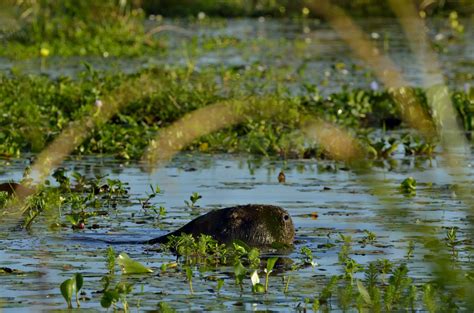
[71,28]
[38,108]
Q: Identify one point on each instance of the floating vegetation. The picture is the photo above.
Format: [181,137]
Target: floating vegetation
[37,107]
[120,124]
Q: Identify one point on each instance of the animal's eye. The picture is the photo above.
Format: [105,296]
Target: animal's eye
[286,217]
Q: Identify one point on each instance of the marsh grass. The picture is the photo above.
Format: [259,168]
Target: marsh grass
[71,28]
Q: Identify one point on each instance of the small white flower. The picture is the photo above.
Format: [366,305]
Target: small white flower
[374,85]
[439,37]
[254,278]
[467,87]
[375,35]
[201,15]
[314,263]
[98,103]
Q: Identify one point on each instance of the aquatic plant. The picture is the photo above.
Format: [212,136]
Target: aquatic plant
[192,200]
[105,28]
[113,295]
[130,266]
[268,269]
[308,257]
[452,241]
[408,186]
[189,277]
[70,287]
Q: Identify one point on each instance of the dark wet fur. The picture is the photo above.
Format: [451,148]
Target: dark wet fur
[253,224]
[16,189]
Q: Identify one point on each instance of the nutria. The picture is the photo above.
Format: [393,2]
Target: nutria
[16,189]
[281,177]
[254,224]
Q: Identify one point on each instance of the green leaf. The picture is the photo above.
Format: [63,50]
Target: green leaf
[123,288]
[258,288]
[364,293]
[79,281]
[239,246]
[109,297]
[164,307]
[271,263]
[130,266]
[111,260]
[73,219]
[189,273]
[67,290]
[220,283]
[239,271]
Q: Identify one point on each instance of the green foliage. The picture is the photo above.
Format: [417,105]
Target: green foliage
[239,273]
[70,287]
[408,186]
[370,237]
[164,307]
[189,277]
[328,290]
[452,241]
[71,28]
[130,266]
[4,198]
[111,260]
[416,146]
[118,293]
[346,248]
[382,148]
[35,109]
[269,268]
[220,283]
[308,256]
[193,199]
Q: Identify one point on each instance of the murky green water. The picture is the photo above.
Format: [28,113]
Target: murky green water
[335,193]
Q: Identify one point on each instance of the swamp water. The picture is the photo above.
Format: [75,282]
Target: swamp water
[297,52]
[323,198]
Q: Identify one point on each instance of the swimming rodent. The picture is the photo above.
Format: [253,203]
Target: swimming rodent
[16,189]
[256,225]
